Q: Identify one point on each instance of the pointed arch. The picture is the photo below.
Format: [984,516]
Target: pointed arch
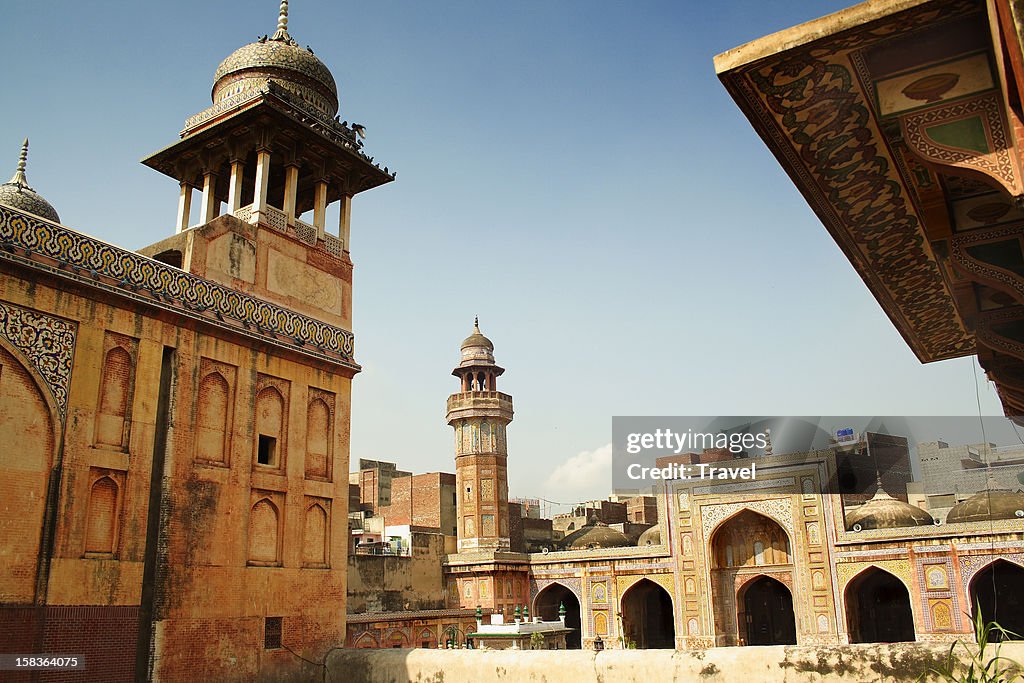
[550,600]
[101,517]
[765,611]
[319,439]
[878,607]
[30,418]
[648,615]
[115,395]
[998,590]
[212,423]
[764,511]
[366,641]
[270,427]
[749,538]
[264,532]
[315,536]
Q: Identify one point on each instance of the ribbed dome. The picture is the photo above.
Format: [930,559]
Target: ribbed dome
[16,192]
[885,512]
[987,505]
[650,537]
[280,59]
[596,534]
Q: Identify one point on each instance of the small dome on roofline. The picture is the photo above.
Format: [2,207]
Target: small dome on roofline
[16,192]
[651,536]
[596,534]
[995,502]
[885,512]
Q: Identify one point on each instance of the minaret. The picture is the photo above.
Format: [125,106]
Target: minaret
[479,413]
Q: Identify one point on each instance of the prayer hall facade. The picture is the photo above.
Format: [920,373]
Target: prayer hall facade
[785,559]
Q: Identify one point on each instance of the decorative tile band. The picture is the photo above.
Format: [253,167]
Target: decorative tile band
[47,342]
[65,253]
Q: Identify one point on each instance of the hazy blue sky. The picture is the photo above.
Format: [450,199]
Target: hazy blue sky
[571,171]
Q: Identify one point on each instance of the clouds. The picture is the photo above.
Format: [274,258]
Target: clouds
[584,476]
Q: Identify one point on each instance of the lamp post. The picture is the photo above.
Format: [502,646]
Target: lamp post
[598,644]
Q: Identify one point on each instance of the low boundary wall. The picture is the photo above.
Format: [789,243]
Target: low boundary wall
[896,663]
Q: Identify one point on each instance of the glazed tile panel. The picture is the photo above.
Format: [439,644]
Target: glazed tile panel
[38,244]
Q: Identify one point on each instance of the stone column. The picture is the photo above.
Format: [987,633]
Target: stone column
[345,221]
[320,207]
[184,206]
[235,186]
[259,201]
[210,205]
[291,188]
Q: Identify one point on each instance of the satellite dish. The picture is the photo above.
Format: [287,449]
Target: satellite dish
[544,550]
[1019,513]
[936,521]
[857,527]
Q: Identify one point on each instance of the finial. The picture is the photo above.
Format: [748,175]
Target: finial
[768,440]
[282,23]
[19,175]
[879,491]
[476,324]
[282,17]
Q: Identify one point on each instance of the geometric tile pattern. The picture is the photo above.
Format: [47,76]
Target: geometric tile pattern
[68,254]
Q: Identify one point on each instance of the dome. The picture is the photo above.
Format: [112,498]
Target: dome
[651,536]
[476,348]
[596,534]
[279,59]
[885,512]
[477,339]
[16,192]
[995,503]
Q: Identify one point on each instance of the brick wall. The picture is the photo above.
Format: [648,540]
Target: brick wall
[424,500]
[104,635]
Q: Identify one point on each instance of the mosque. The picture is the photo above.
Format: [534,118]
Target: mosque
[784,559]
[182,412]
[748,563]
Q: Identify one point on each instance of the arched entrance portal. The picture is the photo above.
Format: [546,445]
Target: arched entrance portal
[878,609]
[549,601]
[744,550]
[26,423]
[647,618]
[768,613]
[999,591]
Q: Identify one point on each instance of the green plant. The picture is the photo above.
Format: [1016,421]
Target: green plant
[536,641]
[978,666]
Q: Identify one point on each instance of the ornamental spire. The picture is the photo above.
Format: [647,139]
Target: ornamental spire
[282,23]
[476,318]
[19,175]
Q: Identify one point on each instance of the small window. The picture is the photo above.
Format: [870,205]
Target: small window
[266,451]
[272,633]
